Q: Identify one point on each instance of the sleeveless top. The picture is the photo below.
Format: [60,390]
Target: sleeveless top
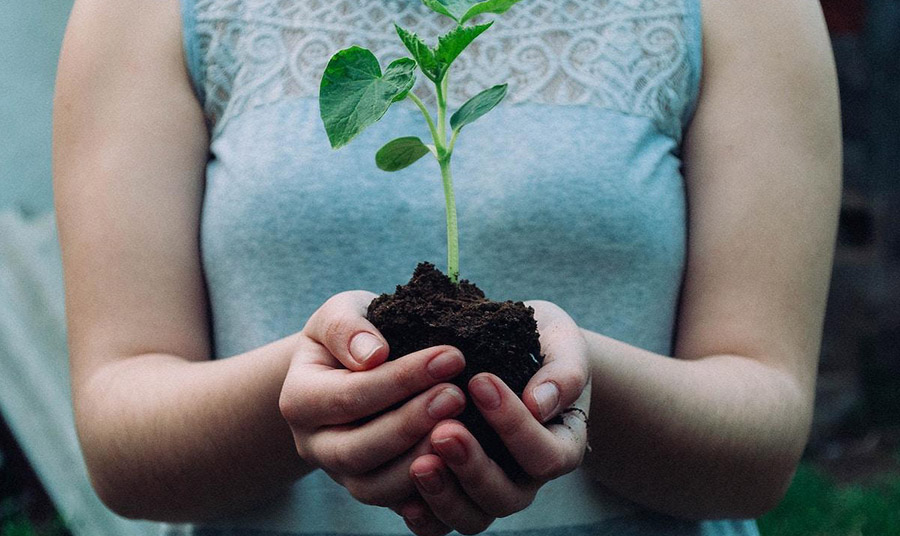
[569,191]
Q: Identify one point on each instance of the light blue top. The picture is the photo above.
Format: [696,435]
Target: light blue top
[570,191]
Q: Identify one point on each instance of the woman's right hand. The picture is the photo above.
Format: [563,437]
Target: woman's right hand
[361,419]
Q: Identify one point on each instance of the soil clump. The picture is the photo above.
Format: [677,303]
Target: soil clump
[496,337]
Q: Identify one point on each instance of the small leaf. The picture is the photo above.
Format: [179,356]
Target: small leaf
[491,6]
[400,153]
[439,7]
[453,43]
[423,55]
[354,94]
[463,10]
[477,106]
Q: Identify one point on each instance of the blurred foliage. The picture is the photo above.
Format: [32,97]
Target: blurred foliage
[815,505]
[25,509]
[15,522]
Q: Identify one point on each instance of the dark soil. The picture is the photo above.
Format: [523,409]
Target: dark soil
[496,337]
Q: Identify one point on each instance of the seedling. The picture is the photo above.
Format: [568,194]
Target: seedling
[355,94]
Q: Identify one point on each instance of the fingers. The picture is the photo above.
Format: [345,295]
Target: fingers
[340,325]
[480,477]
[446,499]
[419,518]
[388,485]
[543,452]
[356,449]
[465,489]
[565,372]
[316,395]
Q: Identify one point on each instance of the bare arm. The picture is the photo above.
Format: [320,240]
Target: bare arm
[718,432]
[167,433]
[153,413]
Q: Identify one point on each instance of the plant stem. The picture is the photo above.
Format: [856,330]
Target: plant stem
[452,228]
[440,91]
[452,141]
[424,110]
[447,178]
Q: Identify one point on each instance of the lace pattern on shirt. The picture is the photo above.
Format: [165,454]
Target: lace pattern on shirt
[626,55]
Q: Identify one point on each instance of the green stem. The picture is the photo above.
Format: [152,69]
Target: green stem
[424,110]
[452,141]
[452,228]
[444,155]
[441,92]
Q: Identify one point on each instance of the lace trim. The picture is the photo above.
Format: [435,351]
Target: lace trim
[627,55]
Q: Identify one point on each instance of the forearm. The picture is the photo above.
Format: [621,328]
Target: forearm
[169,439]
[707,438]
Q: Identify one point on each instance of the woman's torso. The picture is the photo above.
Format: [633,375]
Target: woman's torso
[569,191]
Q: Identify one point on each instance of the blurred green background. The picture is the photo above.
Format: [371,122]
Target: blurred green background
[849,482]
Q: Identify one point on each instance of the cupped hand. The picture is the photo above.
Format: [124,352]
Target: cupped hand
[460,487]
[361,419]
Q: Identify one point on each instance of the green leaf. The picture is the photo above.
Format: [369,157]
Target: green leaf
[354,94]
[491,6]
[477,106]
[453,43]
[463,10]
[423,55]
[439,7]
[400,153]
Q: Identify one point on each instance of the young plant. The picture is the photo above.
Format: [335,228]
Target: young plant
[355,94]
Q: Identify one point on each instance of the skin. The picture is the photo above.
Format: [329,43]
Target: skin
[170,434]
[729,419]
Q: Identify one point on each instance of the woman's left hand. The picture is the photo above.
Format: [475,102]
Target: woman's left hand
[460,487]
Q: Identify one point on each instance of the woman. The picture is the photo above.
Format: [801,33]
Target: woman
[664,215]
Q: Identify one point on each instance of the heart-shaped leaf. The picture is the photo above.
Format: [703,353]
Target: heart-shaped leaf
[354,94]
[453,43]
[477,106]
[463,10]
[422,53]
[400,153]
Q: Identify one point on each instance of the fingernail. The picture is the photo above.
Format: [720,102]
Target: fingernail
[446,365]
[445,404]
[363,346]
[430,482]
[547,397]
[452,450]
[487,396]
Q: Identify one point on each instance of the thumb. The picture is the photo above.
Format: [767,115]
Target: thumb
[564,377]
[340,325]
